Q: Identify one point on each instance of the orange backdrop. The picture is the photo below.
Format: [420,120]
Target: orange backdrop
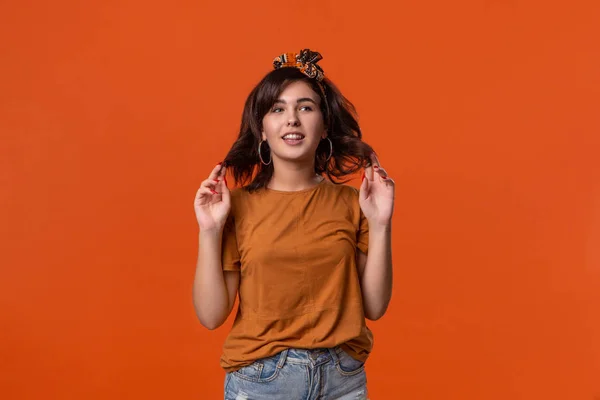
[485,113]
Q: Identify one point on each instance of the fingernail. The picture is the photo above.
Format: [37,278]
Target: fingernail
[363,177]
[213,192]
[376,167]
[216,180]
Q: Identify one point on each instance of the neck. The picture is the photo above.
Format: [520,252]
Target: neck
[292,176]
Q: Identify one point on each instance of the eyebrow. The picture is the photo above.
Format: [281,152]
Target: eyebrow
[298,101]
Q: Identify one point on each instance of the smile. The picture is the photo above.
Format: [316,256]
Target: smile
[293,138]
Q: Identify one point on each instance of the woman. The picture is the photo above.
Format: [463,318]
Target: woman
[309,255]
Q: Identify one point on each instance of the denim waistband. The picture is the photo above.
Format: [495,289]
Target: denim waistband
[310,356]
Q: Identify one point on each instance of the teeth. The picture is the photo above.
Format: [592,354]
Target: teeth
[294,136]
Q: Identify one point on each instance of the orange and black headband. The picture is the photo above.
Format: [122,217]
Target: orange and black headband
[306,62]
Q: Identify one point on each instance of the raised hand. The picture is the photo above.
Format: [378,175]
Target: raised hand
[377,194]
[213,201]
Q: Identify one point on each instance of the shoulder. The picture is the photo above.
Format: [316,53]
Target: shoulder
[343,194]
[242,200]
[237,196]
[342,189]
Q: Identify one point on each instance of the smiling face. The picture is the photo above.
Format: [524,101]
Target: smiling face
[293,126]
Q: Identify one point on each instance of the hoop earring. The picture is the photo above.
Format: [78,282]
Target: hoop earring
[260,156]
[330,148]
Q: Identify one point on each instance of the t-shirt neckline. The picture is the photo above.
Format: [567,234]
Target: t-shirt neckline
[290,192]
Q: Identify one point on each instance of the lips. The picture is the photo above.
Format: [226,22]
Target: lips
[293,138]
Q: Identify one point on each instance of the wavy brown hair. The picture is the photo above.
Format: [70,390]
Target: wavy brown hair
[349,155]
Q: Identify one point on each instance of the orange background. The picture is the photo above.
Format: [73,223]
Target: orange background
[484,112]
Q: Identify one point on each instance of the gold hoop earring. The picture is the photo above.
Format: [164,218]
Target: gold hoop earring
[330,148]
[260,156]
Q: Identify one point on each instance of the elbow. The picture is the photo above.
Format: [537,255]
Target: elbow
[211,327]
[207,319]
[374,316]
[210,324]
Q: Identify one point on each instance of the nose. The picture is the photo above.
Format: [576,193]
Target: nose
[293,120]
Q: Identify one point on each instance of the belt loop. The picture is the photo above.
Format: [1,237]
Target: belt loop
[334,355]
[282,358]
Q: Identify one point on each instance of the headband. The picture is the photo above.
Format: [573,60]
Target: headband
[306,61]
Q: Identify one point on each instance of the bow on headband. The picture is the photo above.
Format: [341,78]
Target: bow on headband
[305,61]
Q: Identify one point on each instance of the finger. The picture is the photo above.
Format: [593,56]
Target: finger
[209,183]
[382,172]
[214,196]
[203,196]
[369,172]
[222,176]
[222,187]
[364,189]
[207,191]
[222,171]
[375,160]
[214,174]
[204,191]
[389,184]
[226,196]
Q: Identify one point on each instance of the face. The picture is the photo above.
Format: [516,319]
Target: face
[296,111]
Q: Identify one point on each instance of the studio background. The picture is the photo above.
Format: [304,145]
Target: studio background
[484,112]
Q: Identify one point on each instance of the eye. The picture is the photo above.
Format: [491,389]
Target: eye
[309,108]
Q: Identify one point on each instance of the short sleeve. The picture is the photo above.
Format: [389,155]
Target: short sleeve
[362,232]
[362,235]
[230,256]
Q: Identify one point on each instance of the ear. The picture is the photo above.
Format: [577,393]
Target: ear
[263,136]
[324,135]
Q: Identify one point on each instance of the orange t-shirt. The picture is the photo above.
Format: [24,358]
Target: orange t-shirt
[299,285]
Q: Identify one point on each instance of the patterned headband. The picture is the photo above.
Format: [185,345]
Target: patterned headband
[306,61]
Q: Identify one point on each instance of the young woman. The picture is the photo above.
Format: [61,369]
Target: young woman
[309,256]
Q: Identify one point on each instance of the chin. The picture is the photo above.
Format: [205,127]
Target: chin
[295,156]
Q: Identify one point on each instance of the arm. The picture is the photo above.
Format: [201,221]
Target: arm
[376,200]
[375,272]
[214,289]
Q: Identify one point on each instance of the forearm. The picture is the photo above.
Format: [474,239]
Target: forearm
[376,281]
[210,292]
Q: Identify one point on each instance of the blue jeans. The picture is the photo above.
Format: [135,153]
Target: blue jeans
[299,374]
